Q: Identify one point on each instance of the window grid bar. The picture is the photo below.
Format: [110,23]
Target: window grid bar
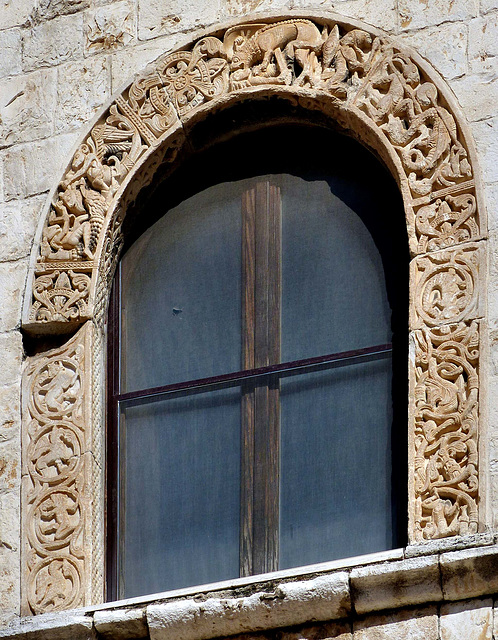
[343,357]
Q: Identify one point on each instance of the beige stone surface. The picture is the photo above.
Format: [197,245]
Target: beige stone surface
[10,580]
[12,286]
[27,106]
[324,598]
[131,60]
[90,88]
[486,136]
[469,573]
[445,47]
[62,626]
[162,17]
[53,42]
[29,169]
[416,14]
[121,624]
[472,620]
[44,10]
[477,92]
[10,52]
[110,27]
[11,353]
[10,418]
[488,5]
[18,221]
[413,624]
[394,585]
[14,13]
[483,41]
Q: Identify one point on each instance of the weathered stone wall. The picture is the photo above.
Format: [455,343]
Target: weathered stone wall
[60,61]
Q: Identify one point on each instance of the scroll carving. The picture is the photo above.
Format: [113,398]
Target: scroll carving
[56,501]
[393,103]
[446,431]
[446,286]
[356,70]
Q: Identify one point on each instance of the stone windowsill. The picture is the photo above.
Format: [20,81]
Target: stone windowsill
[447,570]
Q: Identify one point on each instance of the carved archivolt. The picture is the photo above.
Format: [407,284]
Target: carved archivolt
[56,476]
[395,104]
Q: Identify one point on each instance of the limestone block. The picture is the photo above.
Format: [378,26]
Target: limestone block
[83,88]
[27,107]
[121,624]
[324,598]
[486,139]
[10,52]
[12,286]
[48,9]
[244,7]
[10,413]
[161,17]
[10,520]
[491,193]
[14,13]
[415,624]
[445,47]
[10,470]
[477,93]
[471,620]
[470,573]
[381,13]
[53,42]
[416,14]
[488,5]
[131,60]
[11,352]
[483,40]
[397,584]
[32,168]
[18,220]
[110,27]
[59,626]
[10,580]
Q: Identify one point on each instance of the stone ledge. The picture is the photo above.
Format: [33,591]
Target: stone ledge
[377,582]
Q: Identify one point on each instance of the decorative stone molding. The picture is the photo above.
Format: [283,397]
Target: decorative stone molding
[56,488]
[394,103]
[446,431]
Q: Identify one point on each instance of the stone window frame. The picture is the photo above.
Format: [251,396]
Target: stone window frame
[390,99]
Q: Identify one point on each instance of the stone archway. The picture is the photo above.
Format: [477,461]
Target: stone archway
[394,103]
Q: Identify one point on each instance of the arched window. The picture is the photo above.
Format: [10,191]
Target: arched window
[253,408]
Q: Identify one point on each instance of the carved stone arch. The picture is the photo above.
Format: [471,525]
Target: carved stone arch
[390,99]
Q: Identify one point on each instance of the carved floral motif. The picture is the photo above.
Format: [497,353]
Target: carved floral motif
[56,435]
[446,431]
[355,69]
[446,286]
[400,107]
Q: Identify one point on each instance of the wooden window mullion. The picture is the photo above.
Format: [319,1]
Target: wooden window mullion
[260,413]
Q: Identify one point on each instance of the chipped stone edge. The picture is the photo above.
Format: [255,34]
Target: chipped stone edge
[384,581]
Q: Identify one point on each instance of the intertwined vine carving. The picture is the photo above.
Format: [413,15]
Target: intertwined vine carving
[56,501]
[393,104]
[446,428]
[354,69]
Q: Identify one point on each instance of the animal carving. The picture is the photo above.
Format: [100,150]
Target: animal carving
[252,48]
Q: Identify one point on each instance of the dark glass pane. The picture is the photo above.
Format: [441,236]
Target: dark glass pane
[333,285]
[180,492]
[335,463]
[181,293]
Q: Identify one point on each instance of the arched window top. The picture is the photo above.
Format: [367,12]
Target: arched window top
[255,379]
